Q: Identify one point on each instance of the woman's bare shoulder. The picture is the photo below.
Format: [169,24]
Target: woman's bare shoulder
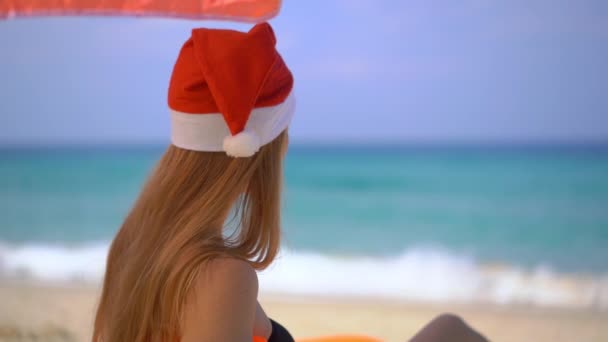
[222,303]
[225,272]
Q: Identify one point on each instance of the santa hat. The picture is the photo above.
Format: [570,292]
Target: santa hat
[230,91]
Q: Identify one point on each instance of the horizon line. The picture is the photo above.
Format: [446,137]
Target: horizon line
[297,143]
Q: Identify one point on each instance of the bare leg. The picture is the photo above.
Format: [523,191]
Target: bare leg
[448,328]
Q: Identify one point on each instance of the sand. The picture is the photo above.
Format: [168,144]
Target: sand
[53,313]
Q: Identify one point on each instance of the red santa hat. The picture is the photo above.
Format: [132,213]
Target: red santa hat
[230,91]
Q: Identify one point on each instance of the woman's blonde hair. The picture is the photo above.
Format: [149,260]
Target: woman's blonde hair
[176,225]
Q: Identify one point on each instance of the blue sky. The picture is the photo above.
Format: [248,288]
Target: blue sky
[366,70]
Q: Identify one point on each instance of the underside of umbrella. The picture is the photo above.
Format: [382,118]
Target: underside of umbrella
[239,10]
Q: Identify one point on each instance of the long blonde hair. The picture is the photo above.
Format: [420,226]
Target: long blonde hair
[175,226]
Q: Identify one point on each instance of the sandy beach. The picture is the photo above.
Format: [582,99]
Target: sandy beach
[52,313]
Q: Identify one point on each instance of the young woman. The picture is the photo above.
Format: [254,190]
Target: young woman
[174,271]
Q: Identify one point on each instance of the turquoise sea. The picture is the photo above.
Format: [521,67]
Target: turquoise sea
[491,223]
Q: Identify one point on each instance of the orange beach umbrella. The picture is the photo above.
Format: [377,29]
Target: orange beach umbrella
[236,10]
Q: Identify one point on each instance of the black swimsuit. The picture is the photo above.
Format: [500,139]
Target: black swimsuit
[279,333]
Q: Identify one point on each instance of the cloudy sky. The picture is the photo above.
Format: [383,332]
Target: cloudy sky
[366,70]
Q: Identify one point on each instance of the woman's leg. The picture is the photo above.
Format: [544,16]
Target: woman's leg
[448,328]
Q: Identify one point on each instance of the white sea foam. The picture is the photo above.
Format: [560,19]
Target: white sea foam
[54,263]
[418,274]
[423,274]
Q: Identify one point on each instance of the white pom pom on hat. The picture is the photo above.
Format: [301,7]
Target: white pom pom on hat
[243,144]
[230,91]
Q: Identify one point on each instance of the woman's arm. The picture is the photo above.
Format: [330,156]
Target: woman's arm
[222,305]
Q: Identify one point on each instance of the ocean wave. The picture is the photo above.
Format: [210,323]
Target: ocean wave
[54,263]
[431,274]
[418,274]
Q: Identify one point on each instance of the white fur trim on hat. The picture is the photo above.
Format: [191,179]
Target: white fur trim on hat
[209,132]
